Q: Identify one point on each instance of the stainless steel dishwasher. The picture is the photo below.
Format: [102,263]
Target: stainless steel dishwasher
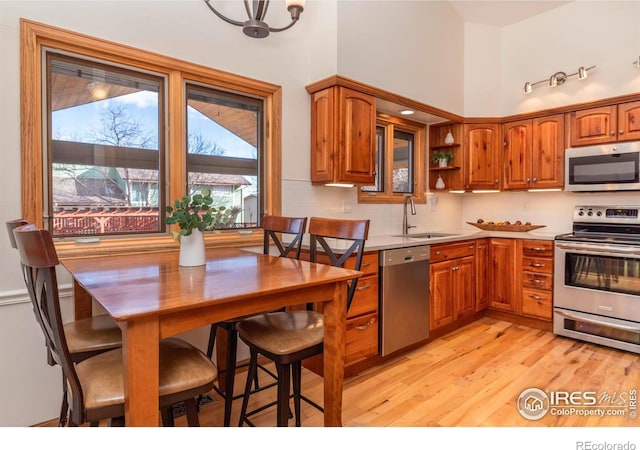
[404,299]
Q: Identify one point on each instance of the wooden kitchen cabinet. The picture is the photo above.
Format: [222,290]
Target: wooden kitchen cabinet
[343,136]
[362,317]
[452,283]
[533,154]
[605,124]
[482,285]
[537,278]
[482,155]
[501,274]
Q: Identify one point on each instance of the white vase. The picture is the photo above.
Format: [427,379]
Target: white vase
[439,183]
[442,162]
[192,249]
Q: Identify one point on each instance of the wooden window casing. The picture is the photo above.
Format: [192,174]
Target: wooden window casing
[417,162]
[35,37]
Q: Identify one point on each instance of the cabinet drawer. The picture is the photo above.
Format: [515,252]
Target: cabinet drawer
[365,299]
[537,248]
[444,252]
[535,280]
[369,263]
[536,303]
[542,265]
[362,338]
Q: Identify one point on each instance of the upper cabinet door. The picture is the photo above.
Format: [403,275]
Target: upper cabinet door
[547,152]
[629,121]
[323,136]
[517,155]
[482,156]
[357,136]
[593,126]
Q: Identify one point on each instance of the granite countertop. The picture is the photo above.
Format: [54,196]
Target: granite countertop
[386,242]
[389,241]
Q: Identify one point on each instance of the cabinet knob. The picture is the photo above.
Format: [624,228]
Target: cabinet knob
[528,180]
[496,181]
[613,133]
[438,252]
[621,132]
[535,179]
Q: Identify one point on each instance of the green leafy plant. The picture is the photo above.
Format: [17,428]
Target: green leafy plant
[442,155]
[195,212]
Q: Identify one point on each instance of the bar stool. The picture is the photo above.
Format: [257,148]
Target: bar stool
[288,337]
[275,228]
[85,337]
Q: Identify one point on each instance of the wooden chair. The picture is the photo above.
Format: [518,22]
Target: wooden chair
[96,384]
[85,337]
[275,228]
[288,337]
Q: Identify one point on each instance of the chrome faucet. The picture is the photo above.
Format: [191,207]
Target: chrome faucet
[405,225]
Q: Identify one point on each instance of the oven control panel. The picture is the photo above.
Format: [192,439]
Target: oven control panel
[607,214]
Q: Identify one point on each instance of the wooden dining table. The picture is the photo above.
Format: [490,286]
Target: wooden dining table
[151,297]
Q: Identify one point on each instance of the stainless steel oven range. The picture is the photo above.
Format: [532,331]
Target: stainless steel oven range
[597,277]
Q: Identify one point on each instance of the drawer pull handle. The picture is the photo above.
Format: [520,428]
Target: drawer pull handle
[537,281]
[438,252]
[537,249]
[536,297]
[363,265]
[362,288]
[366,325]
[537,265]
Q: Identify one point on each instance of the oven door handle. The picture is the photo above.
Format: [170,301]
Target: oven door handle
[599,322]
[625,250]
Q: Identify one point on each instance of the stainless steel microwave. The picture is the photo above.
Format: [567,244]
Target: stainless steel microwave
[609,167]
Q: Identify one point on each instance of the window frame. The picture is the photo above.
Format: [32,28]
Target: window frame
[34,37]
[419,130]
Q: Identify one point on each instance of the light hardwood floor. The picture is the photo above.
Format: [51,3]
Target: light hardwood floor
[471,377]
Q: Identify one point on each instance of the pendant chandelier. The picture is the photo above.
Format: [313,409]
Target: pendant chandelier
[255,26]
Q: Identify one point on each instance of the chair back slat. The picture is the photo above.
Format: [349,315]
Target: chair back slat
[275,226]
[39,258]
[356,231]
[12,225]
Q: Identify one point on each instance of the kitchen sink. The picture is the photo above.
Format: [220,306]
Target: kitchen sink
[424,235]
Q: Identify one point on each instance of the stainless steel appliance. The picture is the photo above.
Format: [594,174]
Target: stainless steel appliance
[610,167]
[597,277]
[404,300]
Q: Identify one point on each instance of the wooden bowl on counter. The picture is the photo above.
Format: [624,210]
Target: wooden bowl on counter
[504,227]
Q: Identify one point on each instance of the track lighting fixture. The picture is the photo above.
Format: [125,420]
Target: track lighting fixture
[559,78]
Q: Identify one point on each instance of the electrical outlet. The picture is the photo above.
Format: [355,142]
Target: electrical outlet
[432,201]
[347,207]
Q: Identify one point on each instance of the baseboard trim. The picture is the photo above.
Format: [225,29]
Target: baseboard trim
[20,295]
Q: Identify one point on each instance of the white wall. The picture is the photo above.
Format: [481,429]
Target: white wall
[482,70]
[411,48]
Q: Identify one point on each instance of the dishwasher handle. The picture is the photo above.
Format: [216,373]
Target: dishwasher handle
[405,255]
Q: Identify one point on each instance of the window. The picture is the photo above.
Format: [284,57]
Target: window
[116,133]
[223,148]
[106,146]
[400,168]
